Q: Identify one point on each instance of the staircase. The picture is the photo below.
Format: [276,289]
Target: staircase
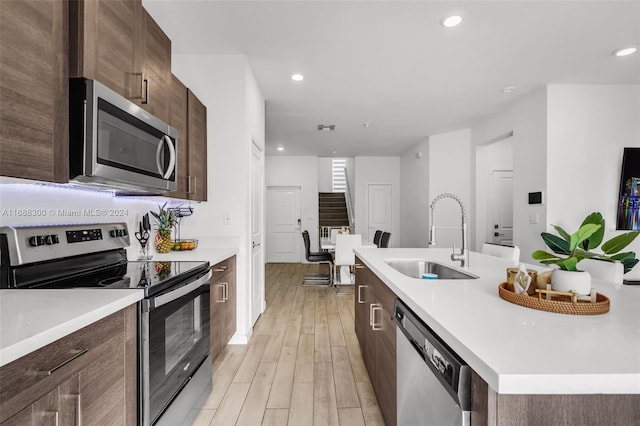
[332,209]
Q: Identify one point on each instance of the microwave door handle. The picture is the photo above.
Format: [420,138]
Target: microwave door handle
[172,156]
[158,154]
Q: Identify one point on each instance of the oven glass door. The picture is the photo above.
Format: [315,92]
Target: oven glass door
[127,143]
[178,342]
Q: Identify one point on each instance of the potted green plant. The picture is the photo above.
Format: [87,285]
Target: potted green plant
[569,249]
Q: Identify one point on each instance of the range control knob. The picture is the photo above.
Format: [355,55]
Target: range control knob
[54,239]
[33,242]
[41,240]
[112,233]
[48,240]
[124,233]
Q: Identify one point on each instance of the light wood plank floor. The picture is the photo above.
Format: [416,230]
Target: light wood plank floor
[302,366]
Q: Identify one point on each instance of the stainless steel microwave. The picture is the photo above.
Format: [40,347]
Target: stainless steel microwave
[115,144]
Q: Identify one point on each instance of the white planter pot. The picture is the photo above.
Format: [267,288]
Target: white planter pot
[579,281]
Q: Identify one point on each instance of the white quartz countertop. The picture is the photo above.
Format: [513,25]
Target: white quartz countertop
[518,350]
[31,319]
[211,255]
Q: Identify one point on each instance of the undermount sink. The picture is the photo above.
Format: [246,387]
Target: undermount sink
[415,268]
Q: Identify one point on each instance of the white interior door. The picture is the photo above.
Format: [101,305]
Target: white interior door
[284,220]
[379,210]
[257,254]
[501,194]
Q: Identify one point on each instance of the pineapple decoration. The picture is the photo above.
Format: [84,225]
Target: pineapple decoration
[164,222]
[163,269]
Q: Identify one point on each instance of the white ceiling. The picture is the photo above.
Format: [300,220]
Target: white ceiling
[391,63]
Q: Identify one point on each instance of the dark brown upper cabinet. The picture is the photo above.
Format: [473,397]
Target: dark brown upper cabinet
[189,116]
[117,43]
[34,86]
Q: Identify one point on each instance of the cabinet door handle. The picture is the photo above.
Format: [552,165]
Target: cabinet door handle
[375,307]
[359,266]
[77,353]
[226,291]
[78,410]
[145,91]
[359,293]
[195,185]
[371,315]
[55,414]
[78,399]
[222,286]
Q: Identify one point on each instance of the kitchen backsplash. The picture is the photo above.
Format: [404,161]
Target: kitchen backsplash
[45,204]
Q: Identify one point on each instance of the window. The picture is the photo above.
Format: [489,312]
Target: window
[339,170]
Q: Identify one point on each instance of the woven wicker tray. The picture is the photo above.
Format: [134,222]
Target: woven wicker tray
[601,305]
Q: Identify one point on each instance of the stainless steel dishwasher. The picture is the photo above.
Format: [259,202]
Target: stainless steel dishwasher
[434,383]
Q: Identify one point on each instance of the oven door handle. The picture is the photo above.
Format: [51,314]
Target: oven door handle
[163,299]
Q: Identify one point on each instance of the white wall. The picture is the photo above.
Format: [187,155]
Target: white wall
[414,196]
[493,156]
[529,171]
[235,117]
[527,119]
[567,142]
[588,127]
[450,171]
[325,178]
[377,170]
[303,172]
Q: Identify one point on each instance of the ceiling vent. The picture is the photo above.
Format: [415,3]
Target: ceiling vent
[326,127]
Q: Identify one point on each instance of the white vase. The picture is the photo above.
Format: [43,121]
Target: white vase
[578,281]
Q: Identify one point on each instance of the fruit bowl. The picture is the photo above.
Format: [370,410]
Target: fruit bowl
[184,245]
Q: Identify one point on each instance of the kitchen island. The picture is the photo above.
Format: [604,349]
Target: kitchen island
[519,352]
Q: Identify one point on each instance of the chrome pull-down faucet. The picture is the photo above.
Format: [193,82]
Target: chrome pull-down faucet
[463,256]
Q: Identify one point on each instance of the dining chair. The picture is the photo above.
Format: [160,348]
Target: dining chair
[504,252]
[345,258]
[603,269]
[384,240]
[316,257]
[376,237]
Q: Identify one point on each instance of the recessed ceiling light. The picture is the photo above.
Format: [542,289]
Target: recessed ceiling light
[451,21]
[297,77]
[625,51]
[280,148]
[367,124]
[508,90]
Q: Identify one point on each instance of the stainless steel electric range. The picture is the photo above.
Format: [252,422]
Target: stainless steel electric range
[174,369]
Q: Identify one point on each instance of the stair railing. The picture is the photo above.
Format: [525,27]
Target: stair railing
[347,199]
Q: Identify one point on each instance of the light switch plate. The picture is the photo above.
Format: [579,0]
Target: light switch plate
[533,217]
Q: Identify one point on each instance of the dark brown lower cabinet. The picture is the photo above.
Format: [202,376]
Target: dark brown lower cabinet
[86,378]
[376,331]
[223,305]
[492,409]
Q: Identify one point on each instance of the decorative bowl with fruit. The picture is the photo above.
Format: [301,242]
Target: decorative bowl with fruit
[183,245]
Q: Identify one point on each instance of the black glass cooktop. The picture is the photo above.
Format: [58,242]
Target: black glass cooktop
[152,276]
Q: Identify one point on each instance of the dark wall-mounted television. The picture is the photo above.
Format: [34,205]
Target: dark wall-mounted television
[629,196]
